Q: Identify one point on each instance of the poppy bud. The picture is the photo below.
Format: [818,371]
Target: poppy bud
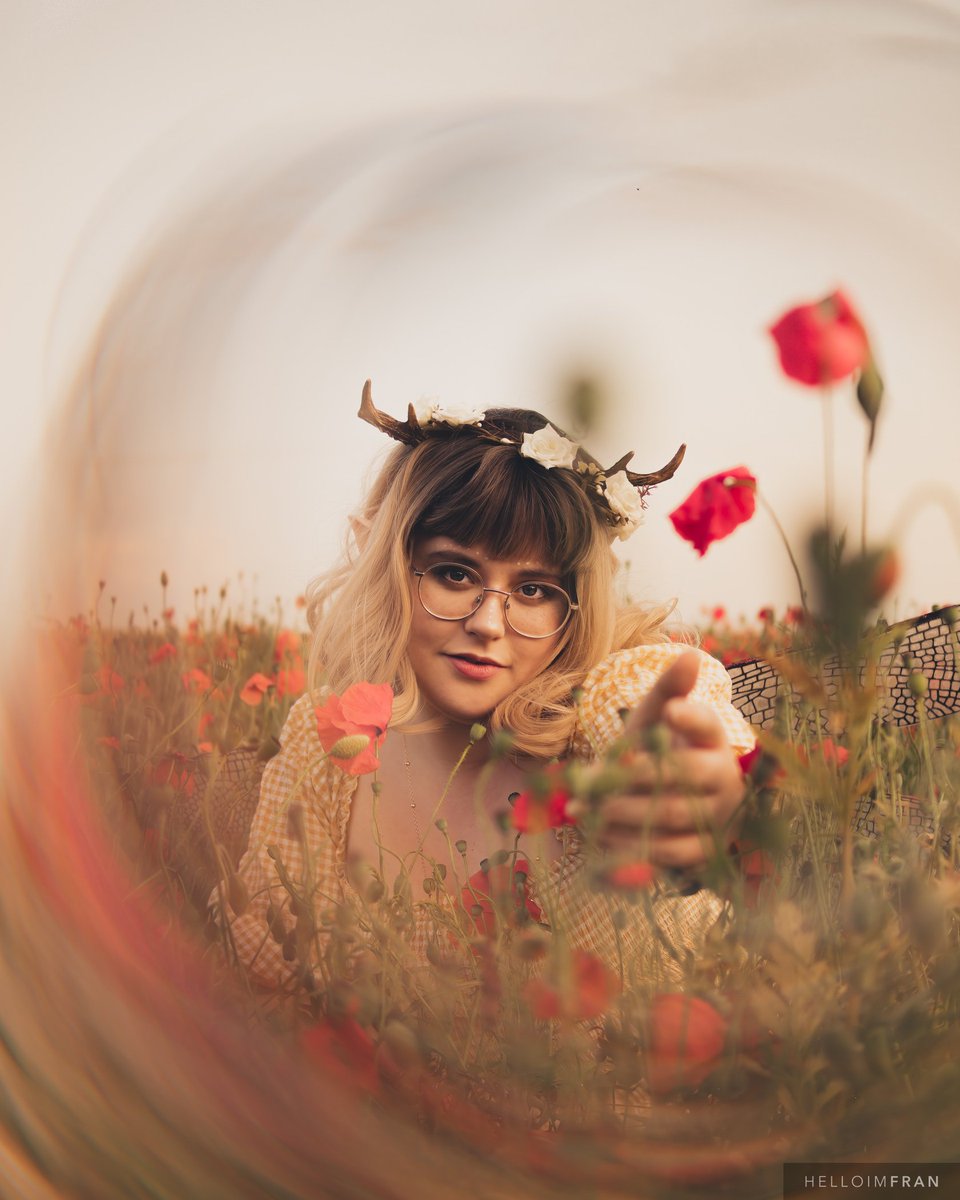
[477,732]
[870,396]
[918,685]
[349,746]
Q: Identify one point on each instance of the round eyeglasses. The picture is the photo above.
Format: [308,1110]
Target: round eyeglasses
[453,592]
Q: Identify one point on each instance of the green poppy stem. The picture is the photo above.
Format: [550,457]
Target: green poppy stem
[786,545]
[865,494]
[827,414]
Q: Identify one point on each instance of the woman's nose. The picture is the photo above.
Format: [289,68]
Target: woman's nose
[489,619]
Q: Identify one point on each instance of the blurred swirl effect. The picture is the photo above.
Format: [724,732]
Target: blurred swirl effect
[497,251]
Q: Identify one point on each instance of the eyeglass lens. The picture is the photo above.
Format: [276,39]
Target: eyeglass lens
[454,592]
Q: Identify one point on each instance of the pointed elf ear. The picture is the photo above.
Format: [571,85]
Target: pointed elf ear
[360,528]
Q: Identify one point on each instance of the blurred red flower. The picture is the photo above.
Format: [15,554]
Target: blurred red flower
[291,681]
[342,1050]
[177,771]
[757,866]
[196,680]
[822,342]
[499,892]
[685,1038]
[288,643]
[715,508]
[829,750]
[541,808]
[586,994]
[364,708]
[256,687]
[167,650]
[630,877]
[109,682]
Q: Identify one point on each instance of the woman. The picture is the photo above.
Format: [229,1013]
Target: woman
[478,584]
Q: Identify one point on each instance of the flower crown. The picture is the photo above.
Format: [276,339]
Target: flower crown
[616,494]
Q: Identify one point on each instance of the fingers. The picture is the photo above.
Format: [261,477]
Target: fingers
[671,812]
[678,680]
[694,724]
[676,850]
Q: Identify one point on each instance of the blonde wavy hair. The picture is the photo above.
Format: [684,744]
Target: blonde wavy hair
[481,493]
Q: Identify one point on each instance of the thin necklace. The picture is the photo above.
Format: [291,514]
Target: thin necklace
[408,772]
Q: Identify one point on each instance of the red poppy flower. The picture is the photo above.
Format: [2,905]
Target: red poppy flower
[715,508]
[685,1038]
[167,650]
[749,760]
[175,770]
[256,687]
[111,684]
[364,708]
[822,342]
[587,993]
[543,808]
[757,867]
[342,1049]
[630,877]
[829,750]
[291,681]
[499,892]
[288,644]
[196,680]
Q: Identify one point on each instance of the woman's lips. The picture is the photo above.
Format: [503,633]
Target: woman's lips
[474,669]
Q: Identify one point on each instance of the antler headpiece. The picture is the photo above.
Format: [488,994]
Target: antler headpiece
[616,493]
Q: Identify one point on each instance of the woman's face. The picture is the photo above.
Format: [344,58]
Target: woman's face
[466,667]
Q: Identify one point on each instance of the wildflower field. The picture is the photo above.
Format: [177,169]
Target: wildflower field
[814,1016]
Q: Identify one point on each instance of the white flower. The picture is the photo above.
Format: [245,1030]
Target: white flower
[425,409]
[549,448]
[624,500]
[457,414]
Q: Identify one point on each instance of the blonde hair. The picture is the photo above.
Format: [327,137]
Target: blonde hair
[482,493]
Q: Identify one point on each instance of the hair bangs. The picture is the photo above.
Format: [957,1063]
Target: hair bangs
[514,508]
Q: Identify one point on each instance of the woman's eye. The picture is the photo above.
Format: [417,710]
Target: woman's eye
[452,574]
[532,591]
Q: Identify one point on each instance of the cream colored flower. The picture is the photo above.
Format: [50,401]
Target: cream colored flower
[549,448]
[425,409]
[457,414]
[624,500]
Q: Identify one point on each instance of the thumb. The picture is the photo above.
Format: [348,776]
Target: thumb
[677,680]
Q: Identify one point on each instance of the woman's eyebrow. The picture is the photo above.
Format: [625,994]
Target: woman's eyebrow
[461,556]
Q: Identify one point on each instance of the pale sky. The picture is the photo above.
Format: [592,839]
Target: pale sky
[223,216]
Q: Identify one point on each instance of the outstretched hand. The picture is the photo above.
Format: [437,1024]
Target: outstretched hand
[685,782]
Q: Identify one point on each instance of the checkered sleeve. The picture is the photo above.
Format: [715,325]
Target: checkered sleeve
[623,679]
[296,841]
